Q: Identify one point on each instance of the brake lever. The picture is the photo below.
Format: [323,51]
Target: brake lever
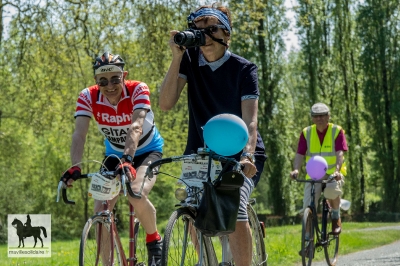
[123,181]
[61,185]
[331,177]
[149,173]
[238,167]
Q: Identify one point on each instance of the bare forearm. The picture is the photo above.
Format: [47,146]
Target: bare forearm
[77,146]
[132,140]
[251,143]
[298,161]
[169,93]
[339,160]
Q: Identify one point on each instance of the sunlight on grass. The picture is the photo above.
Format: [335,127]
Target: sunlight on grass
[282,243]
[62,253]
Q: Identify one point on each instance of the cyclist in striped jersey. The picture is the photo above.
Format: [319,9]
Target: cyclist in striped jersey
[122,111]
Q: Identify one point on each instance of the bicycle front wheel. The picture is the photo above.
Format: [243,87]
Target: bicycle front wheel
[95,246]
[259,256]
[140,249]
[182,241]
[307,238]
[331,245]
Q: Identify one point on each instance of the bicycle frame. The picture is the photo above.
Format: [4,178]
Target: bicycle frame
[320,237]
[320,233]
[189,198]
[109,217]
[115,239]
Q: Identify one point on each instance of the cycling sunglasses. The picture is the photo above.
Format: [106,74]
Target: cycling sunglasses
[104,82]
[211,29]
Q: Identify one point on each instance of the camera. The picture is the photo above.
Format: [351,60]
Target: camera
[190,38]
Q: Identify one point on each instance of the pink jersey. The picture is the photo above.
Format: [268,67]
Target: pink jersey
[114,121]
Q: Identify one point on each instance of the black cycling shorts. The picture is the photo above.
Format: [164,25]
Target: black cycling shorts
[111,163]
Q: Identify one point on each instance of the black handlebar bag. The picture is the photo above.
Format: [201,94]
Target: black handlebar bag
[219,205]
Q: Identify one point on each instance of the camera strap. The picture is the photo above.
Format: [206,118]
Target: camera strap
[215,39]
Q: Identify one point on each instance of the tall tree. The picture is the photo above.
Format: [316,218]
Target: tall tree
[258,27]
[378,29]
[345,53]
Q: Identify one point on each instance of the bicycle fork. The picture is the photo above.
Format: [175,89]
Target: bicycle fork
[322,237]
[226,251]
[132,260]
[325,213]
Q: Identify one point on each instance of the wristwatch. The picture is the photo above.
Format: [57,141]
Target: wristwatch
[127,158]
[249,156]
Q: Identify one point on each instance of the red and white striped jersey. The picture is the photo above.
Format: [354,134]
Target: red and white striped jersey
[114,121]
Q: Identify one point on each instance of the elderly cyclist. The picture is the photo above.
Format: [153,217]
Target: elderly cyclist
[123,115]
[329,141]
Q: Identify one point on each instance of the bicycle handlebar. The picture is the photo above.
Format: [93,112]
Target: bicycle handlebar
[124,181]
[323,181]
[201,153]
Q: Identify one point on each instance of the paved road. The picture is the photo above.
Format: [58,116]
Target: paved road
[388,255]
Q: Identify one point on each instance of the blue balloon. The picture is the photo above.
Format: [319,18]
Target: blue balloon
[225,134]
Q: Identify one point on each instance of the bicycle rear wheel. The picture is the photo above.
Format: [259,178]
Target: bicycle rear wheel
[259,256]
[307,238]
[95,246]
[331,246]
[182,241]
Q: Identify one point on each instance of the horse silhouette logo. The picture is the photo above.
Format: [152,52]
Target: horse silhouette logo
[23,232]
[27,230]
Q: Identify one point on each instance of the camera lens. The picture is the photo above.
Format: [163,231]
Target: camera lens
[184,38]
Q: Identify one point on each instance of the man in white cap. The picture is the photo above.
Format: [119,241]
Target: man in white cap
[327,140]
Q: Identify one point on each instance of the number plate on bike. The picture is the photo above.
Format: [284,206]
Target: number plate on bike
[194,172]
[102,188]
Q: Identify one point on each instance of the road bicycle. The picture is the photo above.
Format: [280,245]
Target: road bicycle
[100,242]
[313,237]
[183,243]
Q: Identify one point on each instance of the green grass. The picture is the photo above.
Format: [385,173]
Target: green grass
[63,253]
[282,243]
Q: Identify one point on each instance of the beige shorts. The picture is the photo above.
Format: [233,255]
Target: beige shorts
[331,191]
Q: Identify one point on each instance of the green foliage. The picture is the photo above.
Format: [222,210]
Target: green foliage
[378,31]
[348,58]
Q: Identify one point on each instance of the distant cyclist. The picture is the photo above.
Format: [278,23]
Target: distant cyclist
[122,111]
[329,141]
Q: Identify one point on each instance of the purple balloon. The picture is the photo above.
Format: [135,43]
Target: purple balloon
[316,167]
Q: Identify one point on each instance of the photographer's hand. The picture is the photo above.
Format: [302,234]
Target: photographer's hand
[177,50]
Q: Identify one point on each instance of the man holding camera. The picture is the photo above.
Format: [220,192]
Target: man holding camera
[225,83]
